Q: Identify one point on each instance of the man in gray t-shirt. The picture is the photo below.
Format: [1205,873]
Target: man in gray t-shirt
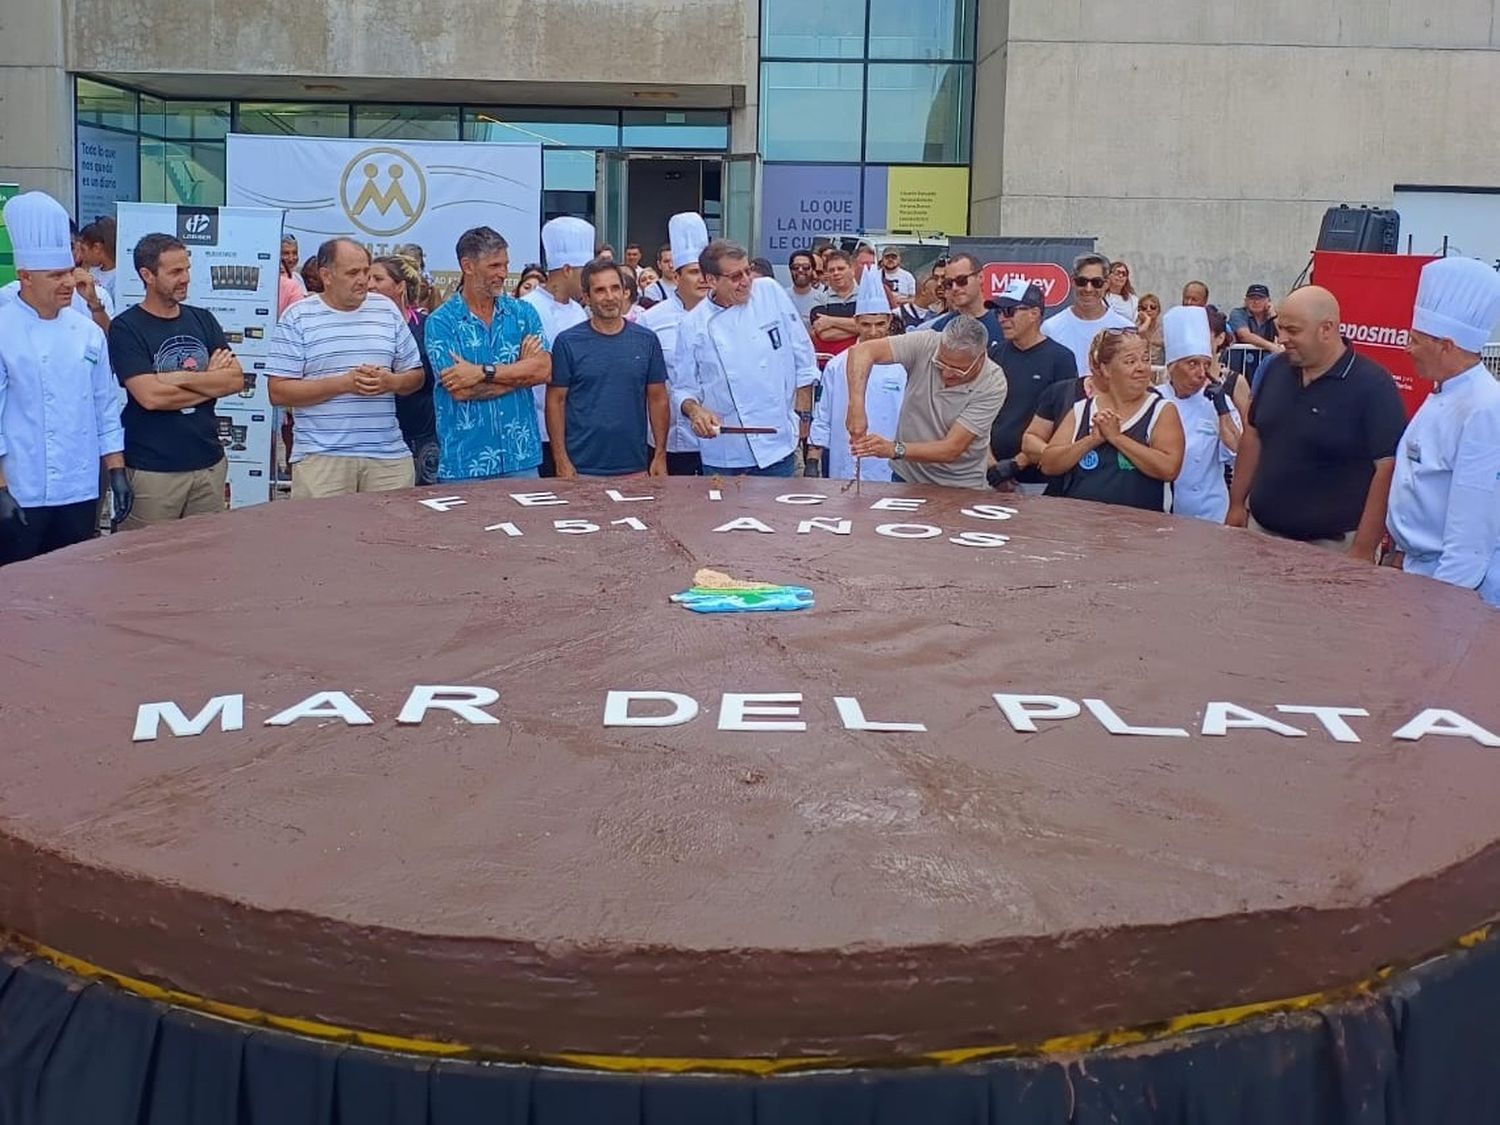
[953,392]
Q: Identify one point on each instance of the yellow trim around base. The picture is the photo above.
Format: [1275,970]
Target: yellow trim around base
[758,1067]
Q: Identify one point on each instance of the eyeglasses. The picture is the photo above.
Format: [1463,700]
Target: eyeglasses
[959,371]
[737,276]
[958,280]
[1089,282]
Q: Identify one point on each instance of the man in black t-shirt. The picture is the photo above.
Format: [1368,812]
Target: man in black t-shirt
[174,364]
[1031,363]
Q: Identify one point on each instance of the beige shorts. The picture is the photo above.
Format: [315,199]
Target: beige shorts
[163,497]
[323,474]
[1341,544]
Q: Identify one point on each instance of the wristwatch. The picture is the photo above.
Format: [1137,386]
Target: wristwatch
[489,372]
[899,451]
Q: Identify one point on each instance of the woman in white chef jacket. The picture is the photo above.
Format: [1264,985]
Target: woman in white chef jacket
[744,361]
[1210,424]
[883,393]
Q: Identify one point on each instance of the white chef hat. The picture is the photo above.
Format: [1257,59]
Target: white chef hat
[567,241]
[1458,299]
[688,235]
[871,299]
[38,228]
[1184,333]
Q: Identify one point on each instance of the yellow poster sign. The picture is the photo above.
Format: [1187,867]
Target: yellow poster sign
[928,199]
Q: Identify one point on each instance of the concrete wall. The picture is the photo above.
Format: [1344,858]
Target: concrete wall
[1205,139]
[36,99]
[624,41]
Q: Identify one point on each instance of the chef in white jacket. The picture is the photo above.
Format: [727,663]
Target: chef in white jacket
[567,246]
[59,404]
[744,362]
[883,393]
[1444,512]
[1210,423]
[689,237]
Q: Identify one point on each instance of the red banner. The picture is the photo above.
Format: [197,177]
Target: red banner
[1056,285]
[1375,294]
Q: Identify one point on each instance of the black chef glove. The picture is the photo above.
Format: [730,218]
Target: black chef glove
[122,495]
[1001,472]
[9,509]
[1216,395]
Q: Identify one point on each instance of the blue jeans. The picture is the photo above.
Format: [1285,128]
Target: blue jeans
[783,468]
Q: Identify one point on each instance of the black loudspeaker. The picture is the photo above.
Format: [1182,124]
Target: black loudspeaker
[1360,230]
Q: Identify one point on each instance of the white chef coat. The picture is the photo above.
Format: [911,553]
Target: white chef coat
[664,319]
[12,292]
[557,317]
[1199,492]
[1444,509]
[745,364]
[883,394]
[59,407]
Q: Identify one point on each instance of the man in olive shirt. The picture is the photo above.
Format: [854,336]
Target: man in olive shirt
[953,392]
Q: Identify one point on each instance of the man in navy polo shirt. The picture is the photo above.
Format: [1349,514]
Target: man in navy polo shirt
[1318,452]
[1031,363]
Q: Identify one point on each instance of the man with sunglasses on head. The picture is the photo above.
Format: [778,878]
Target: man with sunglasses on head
[1032,363]
[1076,327]
[953,392]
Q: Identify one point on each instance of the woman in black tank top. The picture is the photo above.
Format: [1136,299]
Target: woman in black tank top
[1123,445]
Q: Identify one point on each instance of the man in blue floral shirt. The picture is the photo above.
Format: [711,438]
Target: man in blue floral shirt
[490,352]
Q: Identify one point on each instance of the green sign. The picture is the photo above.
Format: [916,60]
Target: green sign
[7,258]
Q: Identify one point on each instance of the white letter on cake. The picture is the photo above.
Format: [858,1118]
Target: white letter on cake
[853,716]
[908,531]
[1116,725]
[825,523]
[736,712]
[229,709]
[1435,720]
[896,504]
[443,503]
[465,702]
[745,523]
[800,498]
[536,499]
[1020,710]
[323,705]
[990,512]
[980,539]
[1220,717]
[1331,718]
[617,709]
[620,498]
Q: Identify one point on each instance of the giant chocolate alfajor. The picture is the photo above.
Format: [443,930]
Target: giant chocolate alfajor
[1123,786]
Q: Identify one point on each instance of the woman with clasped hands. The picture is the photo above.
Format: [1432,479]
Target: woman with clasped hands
[1123,445]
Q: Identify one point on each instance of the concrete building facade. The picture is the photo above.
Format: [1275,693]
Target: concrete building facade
[1194,138]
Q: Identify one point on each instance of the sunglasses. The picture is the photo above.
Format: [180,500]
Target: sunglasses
[1011,311]
[1089,282]
[737,276]
[1119,332]
[958,280]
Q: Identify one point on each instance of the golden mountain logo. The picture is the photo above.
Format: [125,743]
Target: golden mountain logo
[377,191]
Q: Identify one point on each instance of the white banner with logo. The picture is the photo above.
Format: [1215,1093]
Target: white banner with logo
[234,251]
[389,193]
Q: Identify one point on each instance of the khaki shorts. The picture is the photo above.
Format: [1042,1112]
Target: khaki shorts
[1341,544]
[322,474]
[163,497]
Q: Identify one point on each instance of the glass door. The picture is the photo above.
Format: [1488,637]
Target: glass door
[739,198]
[611,204]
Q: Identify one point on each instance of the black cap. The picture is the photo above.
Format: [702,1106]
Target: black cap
[1258,291]
[1019,294]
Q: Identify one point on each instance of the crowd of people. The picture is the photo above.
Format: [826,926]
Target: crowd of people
[703,363]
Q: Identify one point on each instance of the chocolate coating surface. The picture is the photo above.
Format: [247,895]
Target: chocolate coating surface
[549,885]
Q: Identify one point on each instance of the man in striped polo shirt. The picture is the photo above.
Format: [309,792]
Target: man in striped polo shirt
[339,362]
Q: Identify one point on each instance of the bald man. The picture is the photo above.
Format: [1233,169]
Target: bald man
[1318,451]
